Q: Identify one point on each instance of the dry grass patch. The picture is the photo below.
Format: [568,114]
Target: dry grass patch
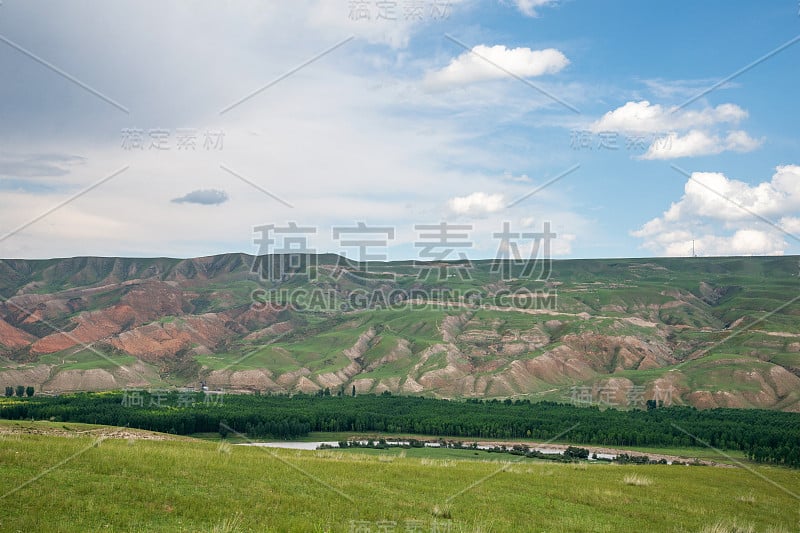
[637,480]
[444,510]
[729,527]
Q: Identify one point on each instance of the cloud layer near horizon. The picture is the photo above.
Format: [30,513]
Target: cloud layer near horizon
[712,201]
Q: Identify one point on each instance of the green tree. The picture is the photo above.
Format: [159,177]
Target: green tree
[354,390]
[20,390]
[9,392]
[29,391]
[576,453]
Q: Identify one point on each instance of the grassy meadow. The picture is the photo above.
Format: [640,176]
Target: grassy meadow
[77,482]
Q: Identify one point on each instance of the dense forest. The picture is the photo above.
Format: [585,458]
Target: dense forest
[765,436]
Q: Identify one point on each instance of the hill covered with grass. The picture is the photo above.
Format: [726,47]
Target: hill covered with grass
[707,332]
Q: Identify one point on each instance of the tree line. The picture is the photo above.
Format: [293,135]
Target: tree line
[764,436]
[20,391]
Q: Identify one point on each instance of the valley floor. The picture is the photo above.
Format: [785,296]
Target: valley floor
[68,477]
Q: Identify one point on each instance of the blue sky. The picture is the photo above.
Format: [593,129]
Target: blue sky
[142,129]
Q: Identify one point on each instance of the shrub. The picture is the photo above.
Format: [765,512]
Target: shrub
[576,453]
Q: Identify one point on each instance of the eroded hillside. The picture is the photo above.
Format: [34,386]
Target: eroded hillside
[706,332]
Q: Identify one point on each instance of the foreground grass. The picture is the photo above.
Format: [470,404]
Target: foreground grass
[54,483]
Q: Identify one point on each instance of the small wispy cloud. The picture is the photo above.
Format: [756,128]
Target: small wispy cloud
[665,88]
[203,197]
[529,7]
[45,165]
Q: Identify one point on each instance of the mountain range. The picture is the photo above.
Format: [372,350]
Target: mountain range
[706,332]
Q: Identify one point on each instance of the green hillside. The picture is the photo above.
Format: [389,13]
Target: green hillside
[708,332]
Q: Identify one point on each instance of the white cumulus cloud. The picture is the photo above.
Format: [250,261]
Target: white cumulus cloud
[494,62]
[644,117]
[677,132]
[791,224]
[719,214]
[698,142]
[477,203]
